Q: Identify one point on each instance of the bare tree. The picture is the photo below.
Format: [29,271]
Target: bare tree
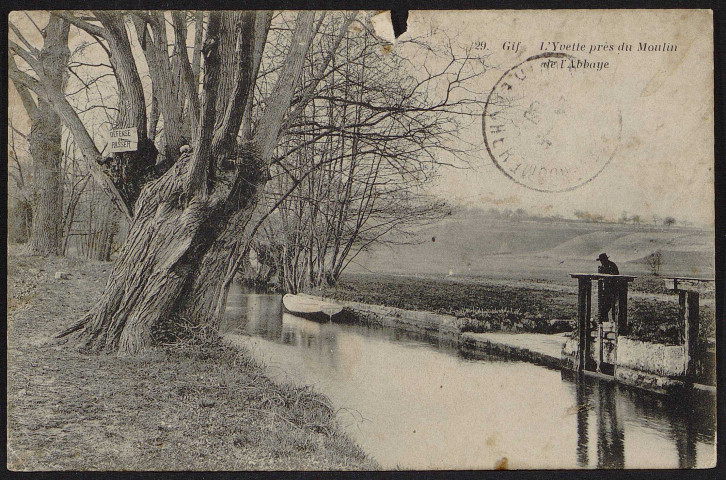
[193,217]
[654,262]
[44,139]
[20,210]
[377,138]
[186,222]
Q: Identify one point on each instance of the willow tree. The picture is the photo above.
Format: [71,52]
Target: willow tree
[44,140]
[227,111]
[188,214]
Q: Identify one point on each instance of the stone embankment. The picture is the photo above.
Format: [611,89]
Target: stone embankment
[651,366]
[533,347]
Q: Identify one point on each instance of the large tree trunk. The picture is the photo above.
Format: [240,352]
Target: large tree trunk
[206,298]
[189,224]
[45,147]
[171,267]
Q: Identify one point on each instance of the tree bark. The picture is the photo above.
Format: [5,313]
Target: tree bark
[45,146]
[154,46]
[187,226]
[172,264]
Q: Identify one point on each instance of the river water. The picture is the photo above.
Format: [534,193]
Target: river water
[415,402]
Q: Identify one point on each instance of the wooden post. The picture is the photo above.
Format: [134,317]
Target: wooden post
[600,343]
[588,314]
[584,292]
[584,314]
[682,315]
[622,327]
[688,302]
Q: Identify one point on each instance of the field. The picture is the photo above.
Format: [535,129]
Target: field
[514,274]
[471,243]
[525,306]
[196,404]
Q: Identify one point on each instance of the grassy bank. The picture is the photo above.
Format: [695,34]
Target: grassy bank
[197,405]
[485,306]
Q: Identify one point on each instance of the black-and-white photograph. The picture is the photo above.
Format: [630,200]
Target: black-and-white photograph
[360,240]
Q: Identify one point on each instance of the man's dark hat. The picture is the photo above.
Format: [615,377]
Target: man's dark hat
[603,256]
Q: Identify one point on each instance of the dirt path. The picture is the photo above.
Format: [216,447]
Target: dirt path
[192,407]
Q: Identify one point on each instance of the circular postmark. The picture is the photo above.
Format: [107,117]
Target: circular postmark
[550,123]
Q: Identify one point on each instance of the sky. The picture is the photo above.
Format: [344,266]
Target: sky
[663,162]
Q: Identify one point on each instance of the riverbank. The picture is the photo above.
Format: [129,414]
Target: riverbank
[417,400]
[200,405]
[654,367]
[539,348]
[521,306]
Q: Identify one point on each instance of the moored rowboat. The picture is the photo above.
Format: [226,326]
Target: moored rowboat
[307,305]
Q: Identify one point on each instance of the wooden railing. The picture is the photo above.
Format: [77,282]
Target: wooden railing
[688,301]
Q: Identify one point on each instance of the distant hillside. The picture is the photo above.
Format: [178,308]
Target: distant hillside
[472,243]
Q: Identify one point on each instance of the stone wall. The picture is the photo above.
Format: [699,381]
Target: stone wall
[397,317]
[652,366]
[666,360]
[442,328]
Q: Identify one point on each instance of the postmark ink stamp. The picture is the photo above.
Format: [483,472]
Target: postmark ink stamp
[545,126]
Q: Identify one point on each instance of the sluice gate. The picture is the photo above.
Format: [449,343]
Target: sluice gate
[602,345]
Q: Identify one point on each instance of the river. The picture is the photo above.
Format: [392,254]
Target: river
[420,403]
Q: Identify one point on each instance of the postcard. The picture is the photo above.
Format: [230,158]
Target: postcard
[361,240]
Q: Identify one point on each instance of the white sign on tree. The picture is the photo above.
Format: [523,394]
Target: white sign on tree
[123,140]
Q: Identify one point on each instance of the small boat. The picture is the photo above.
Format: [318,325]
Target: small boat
[309,306]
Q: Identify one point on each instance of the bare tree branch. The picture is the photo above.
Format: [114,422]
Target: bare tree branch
[94,30]
[187,74]
[281,96]
[22,87]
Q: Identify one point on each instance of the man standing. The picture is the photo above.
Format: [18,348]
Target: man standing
[608,288]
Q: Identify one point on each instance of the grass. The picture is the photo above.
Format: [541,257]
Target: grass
[196,404]
[655,320]
[445,296]
[484,306]
[477,320]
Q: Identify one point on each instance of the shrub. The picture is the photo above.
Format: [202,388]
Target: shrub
[477,320]
[654,261]
[650,284]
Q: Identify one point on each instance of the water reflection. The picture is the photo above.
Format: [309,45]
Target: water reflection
[582,414]
[619,412]
[427,404]
[610,449]
[598,399]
